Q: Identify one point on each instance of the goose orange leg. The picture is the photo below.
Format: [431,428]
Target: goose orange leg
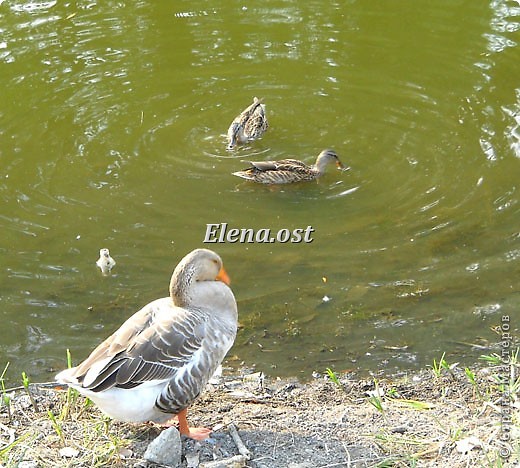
[197,433]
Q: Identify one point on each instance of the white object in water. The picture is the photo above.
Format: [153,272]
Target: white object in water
[105,261]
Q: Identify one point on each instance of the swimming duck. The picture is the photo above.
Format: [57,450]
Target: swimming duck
[105,262]
[159,361]
[249,125]
[287,171]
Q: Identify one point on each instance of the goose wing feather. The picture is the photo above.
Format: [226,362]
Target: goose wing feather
[151,345]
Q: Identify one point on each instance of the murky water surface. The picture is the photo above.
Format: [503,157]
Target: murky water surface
[112,123]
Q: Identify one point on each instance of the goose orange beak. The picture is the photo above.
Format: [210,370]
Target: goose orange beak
[223,276]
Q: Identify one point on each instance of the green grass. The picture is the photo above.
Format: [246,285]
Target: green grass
[376,398]
[491,359]
[473,381]
[413,404]
[67,421]
[442,365]
[26,383]
[57,425]
[506,377]
[333,376]
[15,444]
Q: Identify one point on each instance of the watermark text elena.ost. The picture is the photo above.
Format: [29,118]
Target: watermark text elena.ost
[220,233]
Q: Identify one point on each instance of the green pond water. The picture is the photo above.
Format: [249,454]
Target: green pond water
[112,134]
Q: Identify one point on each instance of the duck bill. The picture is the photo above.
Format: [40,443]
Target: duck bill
[223,276]
[339,165]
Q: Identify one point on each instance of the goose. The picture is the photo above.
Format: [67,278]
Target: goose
[161,358]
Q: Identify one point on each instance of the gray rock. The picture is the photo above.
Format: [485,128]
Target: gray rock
[165,449]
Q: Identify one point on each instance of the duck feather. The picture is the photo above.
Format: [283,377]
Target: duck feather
[249,125]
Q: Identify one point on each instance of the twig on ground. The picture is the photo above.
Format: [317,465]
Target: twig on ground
[349,460]
[242,449]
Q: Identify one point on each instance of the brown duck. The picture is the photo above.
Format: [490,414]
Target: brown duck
[249,125]
[287,171]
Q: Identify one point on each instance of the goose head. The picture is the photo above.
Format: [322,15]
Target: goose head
[198,279]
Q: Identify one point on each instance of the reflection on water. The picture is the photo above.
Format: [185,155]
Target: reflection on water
[494,66]
[112,134]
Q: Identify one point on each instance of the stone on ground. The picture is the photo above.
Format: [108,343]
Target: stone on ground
[166,448]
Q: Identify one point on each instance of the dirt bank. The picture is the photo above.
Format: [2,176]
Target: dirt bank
[451,419]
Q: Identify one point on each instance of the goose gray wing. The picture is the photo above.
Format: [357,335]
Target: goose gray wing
[149,346]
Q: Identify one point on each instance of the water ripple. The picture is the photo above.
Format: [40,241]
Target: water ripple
[113,134]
